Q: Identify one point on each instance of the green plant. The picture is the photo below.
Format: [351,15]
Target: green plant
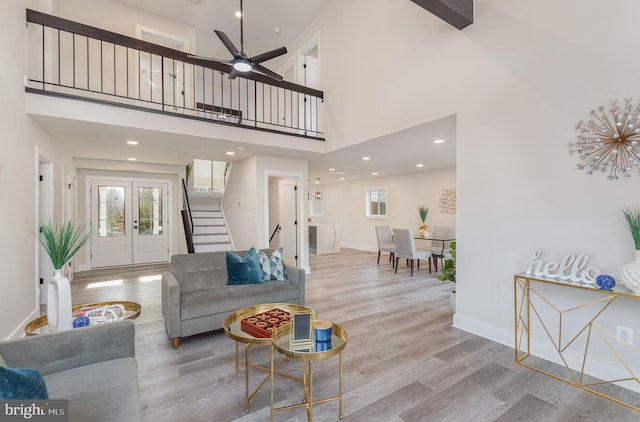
[423,212]
[632,221]
[63,241]
[449,269]
[188,171]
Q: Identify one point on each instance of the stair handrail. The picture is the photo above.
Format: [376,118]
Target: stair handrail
[185,201]
[274,232]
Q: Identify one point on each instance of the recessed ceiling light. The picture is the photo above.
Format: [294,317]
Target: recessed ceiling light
[231,153]
[132,142]
[240,148]
[276,29]
[238,14]
[342,178]
[439,141]
[375,173]
[131,159]
[332,169]
[419,165]
[366,158]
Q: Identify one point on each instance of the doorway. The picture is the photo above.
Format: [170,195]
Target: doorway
[45,214]
[309,75]
[130,220]
[288,216]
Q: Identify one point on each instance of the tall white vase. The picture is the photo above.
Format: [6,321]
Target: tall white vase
[630,274]
[59,303]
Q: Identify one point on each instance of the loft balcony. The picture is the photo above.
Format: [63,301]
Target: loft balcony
[73,60]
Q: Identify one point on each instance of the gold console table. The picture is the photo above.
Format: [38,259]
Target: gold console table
[574,321]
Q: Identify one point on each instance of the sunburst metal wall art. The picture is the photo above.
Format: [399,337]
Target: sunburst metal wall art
[610,142]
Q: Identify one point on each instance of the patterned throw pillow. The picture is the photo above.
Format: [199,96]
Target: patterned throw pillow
[272,265]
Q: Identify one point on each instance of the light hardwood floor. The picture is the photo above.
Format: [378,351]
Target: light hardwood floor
[403,362]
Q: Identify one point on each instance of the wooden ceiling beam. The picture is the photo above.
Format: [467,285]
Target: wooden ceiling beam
[458,13]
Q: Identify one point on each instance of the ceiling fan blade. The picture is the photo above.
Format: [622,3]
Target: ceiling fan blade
[233,74]
[269,55]
[227,43]
[261,69]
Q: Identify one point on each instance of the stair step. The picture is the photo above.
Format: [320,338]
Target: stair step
[210,238]
[201,221]
[212,247]
[209,230]
[205,208]
[206,214]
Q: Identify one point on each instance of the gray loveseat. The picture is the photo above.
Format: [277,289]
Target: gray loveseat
[196,298]
[93,367]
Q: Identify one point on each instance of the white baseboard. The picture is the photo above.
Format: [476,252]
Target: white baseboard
[19,330]
[544,350]
[358,246]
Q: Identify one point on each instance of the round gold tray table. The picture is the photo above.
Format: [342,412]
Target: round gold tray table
[312,352]
[39,325]
[233,329]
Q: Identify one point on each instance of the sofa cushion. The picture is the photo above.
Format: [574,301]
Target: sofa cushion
[227,299]
[22,384]
[272,265]
[103,391]
[245,270]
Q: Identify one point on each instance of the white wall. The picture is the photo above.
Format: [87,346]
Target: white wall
[345,204]
[18,172]
[240,204]
[117,17]
[519,79]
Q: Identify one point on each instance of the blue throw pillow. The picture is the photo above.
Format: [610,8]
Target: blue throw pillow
[22,384]
[244,270]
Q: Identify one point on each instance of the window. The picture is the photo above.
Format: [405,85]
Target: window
[377,202]
[208,176]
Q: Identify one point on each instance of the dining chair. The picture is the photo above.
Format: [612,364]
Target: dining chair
[385,242]
[439,248]
[406,248]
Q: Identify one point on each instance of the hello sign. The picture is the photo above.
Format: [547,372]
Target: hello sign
[571,267]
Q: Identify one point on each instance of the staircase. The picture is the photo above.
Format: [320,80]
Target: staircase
[209,229]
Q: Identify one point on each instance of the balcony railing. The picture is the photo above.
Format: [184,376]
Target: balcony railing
[71,59]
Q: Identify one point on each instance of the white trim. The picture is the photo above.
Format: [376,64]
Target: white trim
[19,331]
[544,350]
[314,42]
[303,240]
[140,29]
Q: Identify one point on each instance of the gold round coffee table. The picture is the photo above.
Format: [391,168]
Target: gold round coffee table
[39,325]
[309,353]
[233,329]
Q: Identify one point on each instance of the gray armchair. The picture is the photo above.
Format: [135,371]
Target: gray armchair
[92,367]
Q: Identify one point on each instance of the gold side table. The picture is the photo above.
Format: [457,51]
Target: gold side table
[280,343]
[233,330]
[39,325]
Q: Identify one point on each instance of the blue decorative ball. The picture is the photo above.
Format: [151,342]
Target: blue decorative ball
[81,321]
[605,282]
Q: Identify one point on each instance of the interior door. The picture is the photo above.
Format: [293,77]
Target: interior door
[130,220]
[150,242]
[288,221]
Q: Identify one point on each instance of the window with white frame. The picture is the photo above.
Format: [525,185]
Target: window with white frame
[208,176]
[377,202]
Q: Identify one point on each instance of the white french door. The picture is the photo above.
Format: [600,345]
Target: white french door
[130,222]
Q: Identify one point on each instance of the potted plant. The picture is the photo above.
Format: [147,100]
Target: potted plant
[61,242]
[630,273]
[423,229]
[448,272]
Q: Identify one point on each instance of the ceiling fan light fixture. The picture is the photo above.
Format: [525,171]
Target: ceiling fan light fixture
[241,66]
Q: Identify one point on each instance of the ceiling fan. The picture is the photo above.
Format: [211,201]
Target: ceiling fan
[241,62]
